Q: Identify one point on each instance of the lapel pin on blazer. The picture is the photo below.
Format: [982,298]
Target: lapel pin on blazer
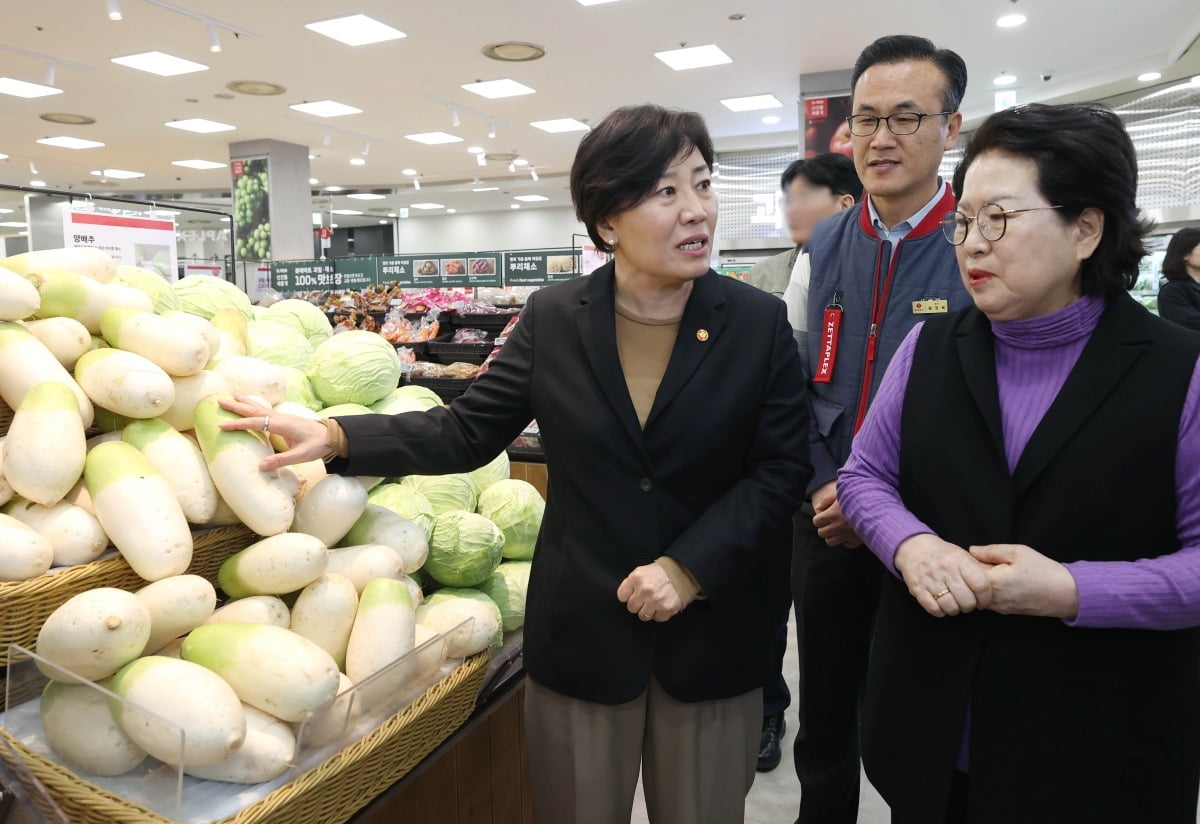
[702,335]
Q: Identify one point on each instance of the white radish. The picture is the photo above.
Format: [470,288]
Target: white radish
[78,495]
[266,753]
[46,445]
[177,350]
[383,632]
[274,566]
[327,724]
[75,535]
[414,589]
[24,554]
[66,338]
[125,383]
[93,635]
[306,475]
[177,605]
[25,362]
[330,508]
[81,730]
[256,609]
[190,698]
[231,328]
[251,376]
[86,261]
[189,391]
[138,510]
[6,490]
[379,525]
[324,614]
[67,295]
[172,649]
[363,564]
[224,516]
[18,297]
[445,614]
[180,461]
[290,408]
[199,324]
[104,437]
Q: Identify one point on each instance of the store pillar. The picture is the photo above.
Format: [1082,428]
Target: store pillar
[272,214]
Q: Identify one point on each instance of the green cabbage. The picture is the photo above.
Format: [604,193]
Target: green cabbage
[154,285]
[278,344]
[447,608]
[344,409]
[395,403]
[405,502]
[444,492]
[354,367]
[516,507]
[464,549]
[426,396]
[303,317]
[508,586]
[495,470]
[205,295]
[259,311]
[299,390]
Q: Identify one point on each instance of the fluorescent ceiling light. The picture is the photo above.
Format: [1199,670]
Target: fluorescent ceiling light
[118,174]
[495,89]
[381,220]
[316,219]
[312,181]
[64,142]
[198,164]
[771,119]
[476,149]
[1149,77]
[13,224]
[358,161]
[19,88]
[356,30]
[428,206]
[563,124]
[520,161]
[160,63]
[333,188]
[1004,80]
[346,212]
[367,196]
[37,184]
[594,2]
[515,206]
[1009,21]
[3,156]
[694,57]
[4,211]
[531,198]
[199,125]
[434,138]
[409,172]
[455,211]
[325,108]
[487,189]
[753,103]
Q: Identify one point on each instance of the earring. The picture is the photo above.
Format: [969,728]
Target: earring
[612,241]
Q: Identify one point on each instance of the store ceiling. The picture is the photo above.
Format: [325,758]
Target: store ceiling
[597,58]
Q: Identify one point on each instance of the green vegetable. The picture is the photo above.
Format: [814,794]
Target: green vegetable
[495,470]
[277,343]
[508,586]
[423,394]
[154,285]
[449,607]
[464,549]
[344,409]
[303,317]
[516,507]
[394,403]
[354,367]
[444,492]
[299,390]
[205,295]
[406,502]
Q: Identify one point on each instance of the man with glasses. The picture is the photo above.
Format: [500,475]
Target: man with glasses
[876,270]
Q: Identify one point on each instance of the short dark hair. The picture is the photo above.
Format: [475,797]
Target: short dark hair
[619,163]
[901,48]
[1084,159]
[1181,245]
[831,171]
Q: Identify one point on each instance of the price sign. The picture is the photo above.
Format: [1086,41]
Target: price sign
[302,275]
[539,267]
[356,273]
[469,269]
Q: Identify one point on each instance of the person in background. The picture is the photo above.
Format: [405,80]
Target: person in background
[672,415]
[1037,654]
[814,189]
[1179,297]
[876,270]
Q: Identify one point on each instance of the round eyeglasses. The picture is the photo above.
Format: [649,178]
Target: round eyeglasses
[865,125]
[992,221]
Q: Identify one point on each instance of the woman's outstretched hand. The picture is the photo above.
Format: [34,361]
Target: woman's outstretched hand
[305,438]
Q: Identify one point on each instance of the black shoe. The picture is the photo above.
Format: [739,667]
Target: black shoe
[769,752]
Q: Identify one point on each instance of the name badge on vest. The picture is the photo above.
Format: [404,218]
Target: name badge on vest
[931,306]
[831,325]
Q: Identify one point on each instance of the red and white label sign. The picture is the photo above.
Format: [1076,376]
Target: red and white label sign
[216,270]
[134,240]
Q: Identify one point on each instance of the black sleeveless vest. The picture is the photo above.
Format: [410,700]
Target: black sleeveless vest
[1067,724]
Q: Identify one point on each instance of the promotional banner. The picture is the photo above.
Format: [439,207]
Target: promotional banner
[470,269]
[214,269]
[540,267]
[251,208]
[825,126]
[130,237]
[302,275]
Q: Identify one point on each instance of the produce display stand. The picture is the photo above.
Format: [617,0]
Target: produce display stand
[6,415]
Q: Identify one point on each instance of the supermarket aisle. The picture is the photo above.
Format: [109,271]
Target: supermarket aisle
[776,795]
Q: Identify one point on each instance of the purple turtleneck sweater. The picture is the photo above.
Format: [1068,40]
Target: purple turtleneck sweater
[1033,359]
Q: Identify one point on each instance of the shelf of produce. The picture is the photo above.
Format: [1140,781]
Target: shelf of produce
[330,792]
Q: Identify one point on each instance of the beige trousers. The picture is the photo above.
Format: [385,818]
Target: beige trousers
[697,760]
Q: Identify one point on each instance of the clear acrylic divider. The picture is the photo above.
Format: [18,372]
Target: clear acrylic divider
[154,784]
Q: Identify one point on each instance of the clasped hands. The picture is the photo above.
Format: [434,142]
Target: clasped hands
[1011,579]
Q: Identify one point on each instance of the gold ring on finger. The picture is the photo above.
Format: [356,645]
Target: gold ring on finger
[945,591]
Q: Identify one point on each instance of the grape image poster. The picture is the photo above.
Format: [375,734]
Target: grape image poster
[251,208]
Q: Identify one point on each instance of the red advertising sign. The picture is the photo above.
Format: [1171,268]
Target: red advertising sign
[826,129]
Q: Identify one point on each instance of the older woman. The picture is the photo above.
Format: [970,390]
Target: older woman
[673,419]
[1037,657]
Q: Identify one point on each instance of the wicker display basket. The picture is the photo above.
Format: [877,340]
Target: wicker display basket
[330,792]
[6,414]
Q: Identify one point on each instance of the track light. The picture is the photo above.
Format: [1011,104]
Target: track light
[48,75]
[454,119]
[533,173]
[33,168]
[417,183]
[214,39]
[492,129]
[366,148]
[481,159]
[512,168]
[114,9]
[328,139]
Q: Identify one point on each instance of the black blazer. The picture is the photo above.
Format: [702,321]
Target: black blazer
[712,481]
[1179,302]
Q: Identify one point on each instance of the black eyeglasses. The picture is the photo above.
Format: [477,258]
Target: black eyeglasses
[865,125]
[992,221]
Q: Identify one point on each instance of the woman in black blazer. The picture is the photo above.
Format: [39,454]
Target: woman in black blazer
[1179,297]
[673,419]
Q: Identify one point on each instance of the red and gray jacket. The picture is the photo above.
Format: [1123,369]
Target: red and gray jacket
[880,296]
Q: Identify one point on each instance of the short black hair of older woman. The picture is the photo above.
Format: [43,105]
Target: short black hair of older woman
[620,161]
[1084,159]
[831,171]
[1181,245]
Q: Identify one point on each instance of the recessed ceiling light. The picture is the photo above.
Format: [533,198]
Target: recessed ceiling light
[496,89]
[531,198]
[409,172]
[4,211]
[325,108]
[694,57]
[19,88]
[434,138]
[1149,77]
[476,149]
[1009,21]
[15,224]
[258,88]
[37,184]
[118,174]
[333,188]
[452,211]
[513,51]
[312,181]
[384,221]
[3,156]
[515,206]
[224,220]
[333,225]
[358,161]
[392,214]
[487,189]
[753,103]
[520,161]
[160,63]
[428,206]
[356,30]
[199,125]
[771,119]
[367,196]
[1004,80]
[64,142]
[595,2]
[198,164]
[67,119]
[346,212]
[563,124]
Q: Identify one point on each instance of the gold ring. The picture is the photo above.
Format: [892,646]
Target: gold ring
[945,591]
[266,423]
[642,613]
